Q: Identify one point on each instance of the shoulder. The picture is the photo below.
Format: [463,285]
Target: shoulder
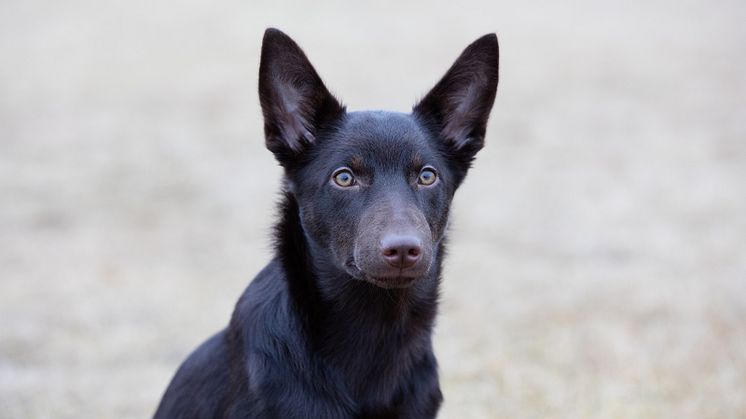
[264,317]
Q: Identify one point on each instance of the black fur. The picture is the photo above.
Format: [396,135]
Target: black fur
[338,325]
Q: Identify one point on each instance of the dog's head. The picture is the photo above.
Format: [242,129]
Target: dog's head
[374,188]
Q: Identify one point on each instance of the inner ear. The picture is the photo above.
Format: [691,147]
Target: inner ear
[460,103]
[295,102]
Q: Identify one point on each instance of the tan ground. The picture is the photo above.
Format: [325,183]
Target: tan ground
[598,262]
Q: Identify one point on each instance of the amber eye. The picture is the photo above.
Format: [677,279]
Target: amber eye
[427,176]
[343,177]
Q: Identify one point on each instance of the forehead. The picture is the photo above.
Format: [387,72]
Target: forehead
[381,137]
[382,124]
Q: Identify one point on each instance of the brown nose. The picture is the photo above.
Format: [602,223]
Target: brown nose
[401,251]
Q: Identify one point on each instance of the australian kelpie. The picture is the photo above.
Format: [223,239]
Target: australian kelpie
[338,325]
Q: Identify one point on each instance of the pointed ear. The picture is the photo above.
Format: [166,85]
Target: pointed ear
[459,105]
[294,100]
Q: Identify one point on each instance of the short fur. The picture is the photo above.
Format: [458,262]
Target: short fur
[338,324]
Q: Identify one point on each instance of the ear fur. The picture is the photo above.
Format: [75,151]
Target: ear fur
[295,102]
[460,103]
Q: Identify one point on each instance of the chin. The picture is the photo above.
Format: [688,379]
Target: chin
[392,282]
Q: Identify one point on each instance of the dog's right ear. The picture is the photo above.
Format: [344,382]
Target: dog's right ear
[294,100]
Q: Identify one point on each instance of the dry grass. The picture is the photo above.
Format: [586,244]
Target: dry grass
[598,262]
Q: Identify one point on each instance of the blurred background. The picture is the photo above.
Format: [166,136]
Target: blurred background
[598,253]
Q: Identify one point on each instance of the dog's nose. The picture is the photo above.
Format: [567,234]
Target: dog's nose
[401,251]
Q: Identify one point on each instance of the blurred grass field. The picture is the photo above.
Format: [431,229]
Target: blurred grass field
[597,264]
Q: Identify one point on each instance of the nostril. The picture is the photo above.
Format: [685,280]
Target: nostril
[415,251]
[390,252]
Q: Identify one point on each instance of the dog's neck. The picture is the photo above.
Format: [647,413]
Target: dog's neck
[335,306]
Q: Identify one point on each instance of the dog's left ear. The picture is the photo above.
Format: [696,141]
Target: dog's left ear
[294,100]
[459,105]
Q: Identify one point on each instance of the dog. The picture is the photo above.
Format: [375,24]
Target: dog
[339,323]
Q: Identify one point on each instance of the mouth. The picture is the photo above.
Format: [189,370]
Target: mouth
[401,280]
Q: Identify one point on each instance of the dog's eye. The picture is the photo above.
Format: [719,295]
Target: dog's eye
[343,177]
[427,176]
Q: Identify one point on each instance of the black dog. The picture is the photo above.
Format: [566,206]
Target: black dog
[338,325]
